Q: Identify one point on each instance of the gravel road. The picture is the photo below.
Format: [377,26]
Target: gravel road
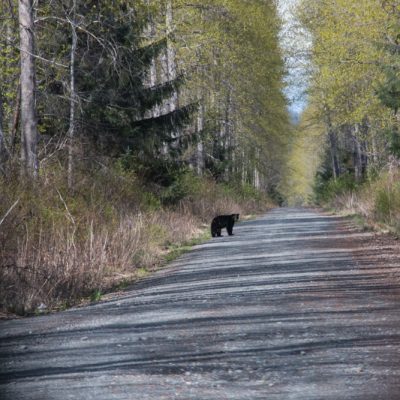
[291,307]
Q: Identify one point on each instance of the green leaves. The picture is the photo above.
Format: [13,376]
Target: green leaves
[210,75]
[389,91]
[346,55]
[354,82]
[236,68]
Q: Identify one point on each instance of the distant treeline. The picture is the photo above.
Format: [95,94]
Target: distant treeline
[349,133]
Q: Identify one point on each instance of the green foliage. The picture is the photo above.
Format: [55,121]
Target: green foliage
[238,74]
[96,295]
[326,190]
[133,153]
[303,161]
[9,59]
[386,190]
[183,183]
[393,140]
[383,203]
[389,91]
[124,88]
[109,226]
[150,202]
[354,81]
[375,201]
[243,192]
[142,272]
[175,251]
[156,233]
[118,91]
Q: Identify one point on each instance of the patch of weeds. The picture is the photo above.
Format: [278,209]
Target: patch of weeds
[38,312]
[138,256]
[156,234]
[64,305]
[361,222]
[142,272]
[95,296]
[198,239]
[176,250]
[123,284]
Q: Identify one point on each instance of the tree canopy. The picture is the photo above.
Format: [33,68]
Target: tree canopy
[354,79]
[197,84]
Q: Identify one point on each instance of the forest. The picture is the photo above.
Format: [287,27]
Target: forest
[345,151]
[125,127]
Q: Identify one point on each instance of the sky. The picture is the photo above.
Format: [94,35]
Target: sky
[295,42]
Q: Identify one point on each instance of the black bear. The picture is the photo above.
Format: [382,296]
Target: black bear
[223,221]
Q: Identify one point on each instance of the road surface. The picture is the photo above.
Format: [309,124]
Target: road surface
[291,307]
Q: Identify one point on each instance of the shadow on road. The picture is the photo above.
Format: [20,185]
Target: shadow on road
[293,306]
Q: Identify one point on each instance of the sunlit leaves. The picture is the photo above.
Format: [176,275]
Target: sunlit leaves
[231,51]
[348,53]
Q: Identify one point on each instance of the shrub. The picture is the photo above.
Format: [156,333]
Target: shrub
[377,199]
[58,245]
[387,199]
[327,191]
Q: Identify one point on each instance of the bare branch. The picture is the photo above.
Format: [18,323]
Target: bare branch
[8,212]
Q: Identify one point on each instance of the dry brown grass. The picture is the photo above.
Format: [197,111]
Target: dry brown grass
[56,247]
[60,265]
[378,201]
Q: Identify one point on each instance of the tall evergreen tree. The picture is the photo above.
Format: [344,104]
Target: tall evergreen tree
[112,62]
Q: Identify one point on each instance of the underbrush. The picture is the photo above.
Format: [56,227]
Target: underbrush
[377,200]
[330,191]
[57,245]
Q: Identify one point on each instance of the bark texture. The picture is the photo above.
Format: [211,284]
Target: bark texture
[71,131]
[29,131]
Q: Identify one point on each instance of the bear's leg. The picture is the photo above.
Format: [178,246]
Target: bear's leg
[229,228]
[214,229]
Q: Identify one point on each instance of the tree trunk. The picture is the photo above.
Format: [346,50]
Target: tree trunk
[2,143]
[155,112]
[357,154]
[200,144]
[256,178]
[168,62]
[229,133]
[71,130]
[15,121]
[244,168]
[12,119]
[334,153]
[375,158]
[29,134]
[152,80]
[332,137]
[171,55]
[168,67]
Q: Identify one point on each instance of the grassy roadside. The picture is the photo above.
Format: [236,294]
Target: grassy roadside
[373,204]
[171,253]
[58,247]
